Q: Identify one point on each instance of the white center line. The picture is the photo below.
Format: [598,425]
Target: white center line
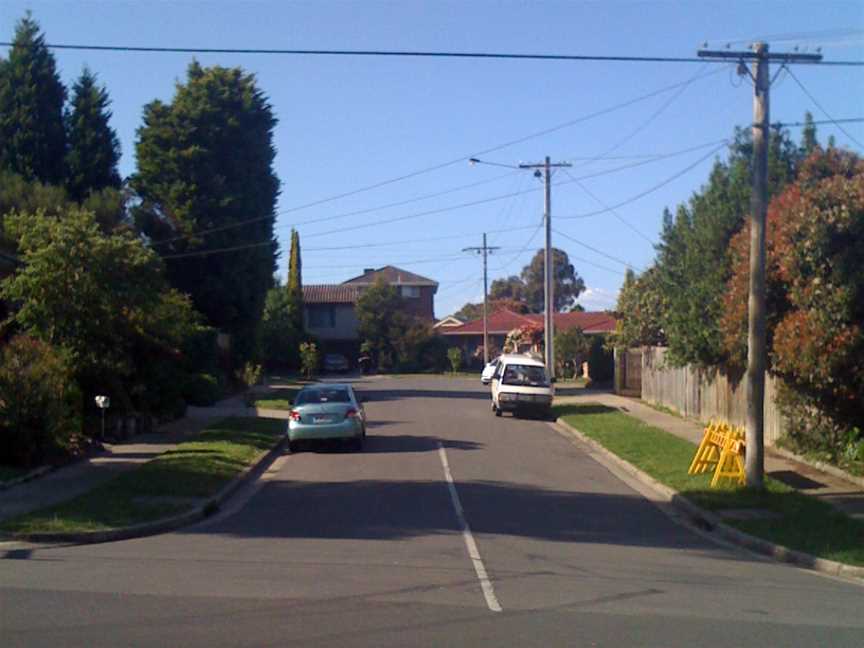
[470,544]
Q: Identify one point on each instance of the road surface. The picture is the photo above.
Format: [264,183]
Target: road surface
[453,528]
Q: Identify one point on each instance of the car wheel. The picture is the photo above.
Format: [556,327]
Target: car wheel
[357,444]
[293,447]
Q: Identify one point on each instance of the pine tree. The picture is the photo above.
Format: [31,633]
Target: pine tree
[32,136]
[94,150]
[295,284]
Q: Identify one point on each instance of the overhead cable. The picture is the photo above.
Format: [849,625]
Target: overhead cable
[390,53]
[825,112]
[647,191]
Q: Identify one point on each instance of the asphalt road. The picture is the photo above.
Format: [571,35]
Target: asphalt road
[332,548]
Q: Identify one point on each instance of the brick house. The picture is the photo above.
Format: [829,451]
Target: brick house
[329,309]
[469,336]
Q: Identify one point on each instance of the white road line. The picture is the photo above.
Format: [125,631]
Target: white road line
[470,544]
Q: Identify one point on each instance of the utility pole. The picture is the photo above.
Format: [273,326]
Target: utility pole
[485,250]
[754,462]
[548,262]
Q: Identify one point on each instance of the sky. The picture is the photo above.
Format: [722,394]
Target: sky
[348,123]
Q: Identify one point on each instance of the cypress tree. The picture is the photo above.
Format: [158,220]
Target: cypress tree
[205,162]
[295,284]
[32,135]
[94,150]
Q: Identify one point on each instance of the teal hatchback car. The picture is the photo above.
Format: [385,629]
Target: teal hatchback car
[327,411]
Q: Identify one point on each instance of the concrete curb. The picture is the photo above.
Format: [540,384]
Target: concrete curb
[819,465]
[33,474]
[712,523]
[203,510]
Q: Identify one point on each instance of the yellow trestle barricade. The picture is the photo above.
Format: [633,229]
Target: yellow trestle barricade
[721,451]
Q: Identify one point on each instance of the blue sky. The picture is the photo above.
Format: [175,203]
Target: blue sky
[346,123]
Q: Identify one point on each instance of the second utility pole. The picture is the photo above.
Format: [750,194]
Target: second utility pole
[485,251]
[548,262]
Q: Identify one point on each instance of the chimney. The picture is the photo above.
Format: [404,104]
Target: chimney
[368,270]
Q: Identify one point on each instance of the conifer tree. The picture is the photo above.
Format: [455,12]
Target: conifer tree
[205,163]
[32,136]
[295,284]
[94,150]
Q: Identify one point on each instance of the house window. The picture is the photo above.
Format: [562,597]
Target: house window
[322,317]
[411,291]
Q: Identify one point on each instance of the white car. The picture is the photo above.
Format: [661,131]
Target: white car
[489,371]
[521,384]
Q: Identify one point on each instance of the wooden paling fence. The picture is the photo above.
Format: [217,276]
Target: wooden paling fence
[704,395]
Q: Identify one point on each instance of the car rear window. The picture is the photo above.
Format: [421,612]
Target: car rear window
[525,375]
[335,395]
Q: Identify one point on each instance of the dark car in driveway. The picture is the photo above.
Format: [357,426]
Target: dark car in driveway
[335,363]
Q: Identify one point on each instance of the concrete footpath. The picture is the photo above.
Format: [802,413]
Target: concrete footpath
[844,494]
[81,476]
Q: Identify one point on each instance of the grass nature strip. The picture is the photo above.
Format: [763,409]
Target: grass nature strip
[8,473]
[171,484]
[804,523]
[280,398]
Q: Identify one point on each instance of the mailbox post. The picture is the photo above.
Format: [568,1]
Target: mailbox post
[103,403]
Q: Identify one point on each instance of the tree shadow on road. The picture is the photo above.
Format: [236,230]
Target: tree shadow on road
[392,510]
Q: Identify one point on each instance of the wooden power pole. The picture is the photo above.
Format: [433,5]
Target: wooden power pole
[485,250]
[548,261]
[754,463]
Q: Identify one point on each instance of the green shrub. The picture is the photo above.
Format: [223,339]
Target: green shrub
[202,390]
[250,374]
[308,358]
[454,355]
[40,404]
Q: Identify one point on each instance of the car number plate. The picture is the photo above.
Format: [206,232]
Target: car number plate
[322,419]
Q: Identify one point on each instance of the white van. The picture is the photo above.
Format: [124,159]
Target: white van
[521,384]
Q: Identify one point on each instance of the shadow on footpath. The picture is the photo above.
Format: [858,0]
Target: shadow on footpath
[392,510]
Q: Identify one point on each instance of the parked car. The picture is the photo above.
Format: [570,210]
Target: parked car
[520,385]
[489,371]
[335,362]
[327,411]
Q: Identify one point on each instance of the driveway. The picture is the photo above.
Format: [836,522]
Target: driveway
[453,527]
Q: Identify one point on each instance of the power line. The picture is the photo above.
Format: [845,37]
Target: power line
[219,250]
[335,217]
[818,122]
[648,191]
[825,112]
[464,158]
[414,240]
[517,193]
[391,53]
[612,211]
[522,250]
[452,207]
[686,84]
[596,251]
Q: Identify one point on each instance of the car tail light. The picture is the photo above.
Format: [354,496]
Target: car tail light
[294,415]
[351,413]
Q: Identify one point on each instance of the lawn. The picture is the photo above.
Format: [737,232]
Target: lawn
[804,523]
[8,473]
[174,482]
[280,398]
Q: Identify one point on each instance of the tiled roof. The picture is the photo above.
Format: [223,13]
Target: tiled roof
[330,294]
[504,321]
[392,275]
